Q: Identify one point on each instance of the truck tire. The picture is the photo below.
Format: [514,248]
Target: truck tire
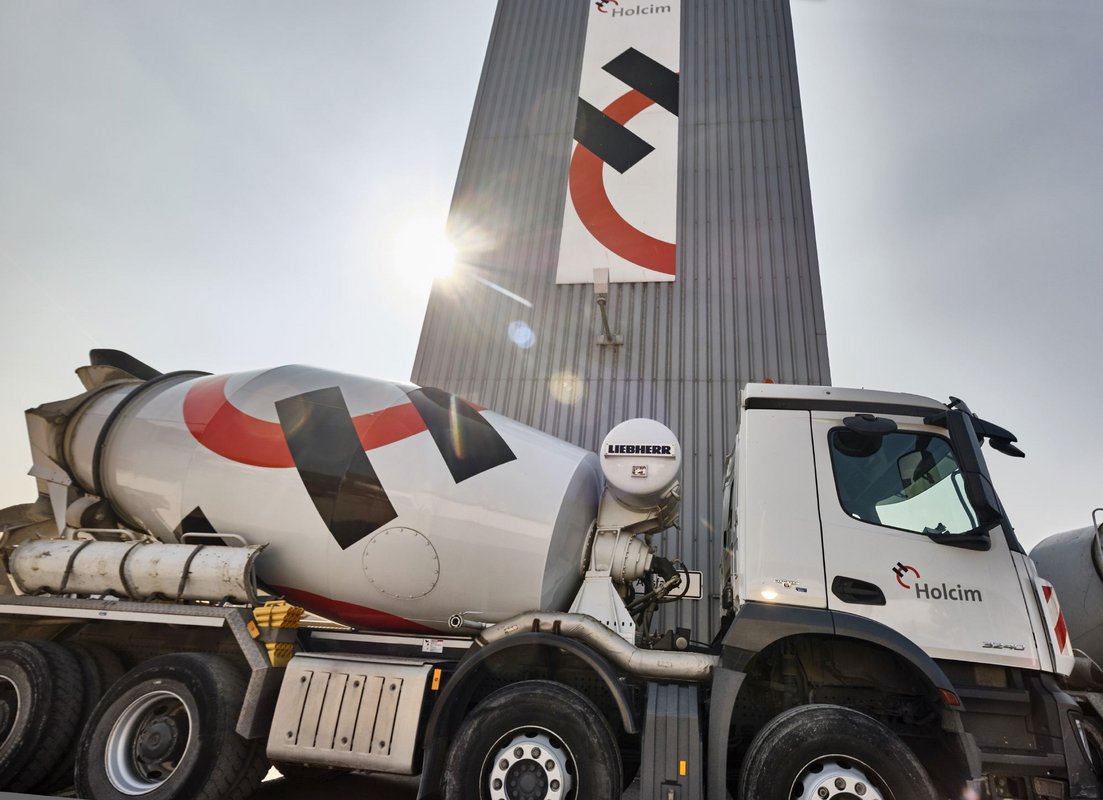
[40,700]
[165,731]
[110,665]
[97,672]
[805,751]
[533,739]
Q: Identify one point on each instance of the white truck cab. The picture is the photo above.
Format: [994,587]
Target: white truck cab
[881,526]
[865,539]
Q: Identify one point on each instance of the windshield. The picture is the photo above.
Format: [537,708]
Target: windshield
[909,481]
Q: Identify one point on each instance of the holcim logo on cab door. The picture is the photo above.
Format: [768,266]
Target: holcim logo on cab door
[928,591]
[902,569]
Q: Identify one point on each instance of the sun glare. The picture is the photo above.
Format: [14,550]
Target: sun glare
[422,251]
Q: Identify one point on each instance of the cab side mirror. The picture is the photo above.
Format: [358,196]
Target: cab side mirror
[978,489]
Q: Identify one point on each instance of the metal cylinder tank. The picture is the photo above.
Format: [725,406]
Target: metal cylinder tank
[384,505]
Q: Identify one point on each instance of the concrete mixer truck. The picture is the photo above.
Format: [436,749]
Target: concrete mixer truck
[491,596]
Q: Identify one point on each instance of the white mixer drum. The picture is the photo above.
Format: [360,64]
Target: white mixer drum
[384,505]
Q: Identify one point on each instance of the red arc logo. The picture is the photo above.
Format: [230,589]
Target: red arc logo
[595,209]
[222,428]
[900,569]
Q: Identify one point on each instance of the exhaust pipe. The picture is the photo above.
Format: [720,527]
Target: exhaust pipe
[650,664]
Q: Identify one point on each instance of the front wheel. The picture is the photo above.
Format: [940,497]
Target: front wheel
[165,731]
[820,752]
[534,740]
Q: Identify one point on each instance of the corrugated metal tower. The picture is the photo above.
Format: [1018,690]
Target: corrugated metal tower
[743,302]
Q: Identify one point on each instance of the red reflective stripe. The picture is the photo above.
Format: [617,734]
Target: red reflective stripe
[1047,591]
[222,428]
[595,209]
[350,613]
[1062,632]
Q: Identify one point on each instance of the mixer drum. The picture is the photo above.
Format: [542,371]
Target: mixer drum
[384,505]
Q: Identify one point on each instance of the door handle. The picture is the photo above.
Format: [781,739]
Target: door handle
[852,590]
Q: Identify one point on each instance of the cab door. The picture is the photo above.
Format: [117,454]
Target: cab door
[884,501]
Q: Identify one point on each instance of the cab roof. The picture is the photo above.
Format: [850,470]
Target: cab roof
[793,396]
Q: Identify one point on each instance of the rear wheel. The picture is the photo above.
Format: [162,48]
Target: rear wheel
[107,661]
[535,740]
[821,752]
[165,731]
[41,692]
[92,680]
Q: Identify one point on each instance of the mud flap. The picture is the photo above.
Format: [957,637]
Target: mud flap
[1083,783]
[672,764]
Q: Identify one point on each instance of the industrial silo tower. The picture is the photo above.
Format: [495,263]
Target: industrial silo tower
[644,162]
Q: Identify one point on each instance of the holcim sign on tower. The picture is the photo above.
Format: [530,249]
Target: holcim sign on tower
[621,208]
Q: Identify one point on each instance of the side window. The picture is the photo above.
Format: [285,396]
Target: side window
[909,481]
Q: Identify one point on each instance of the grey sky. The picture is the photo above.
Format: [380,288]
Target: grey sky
[217,185]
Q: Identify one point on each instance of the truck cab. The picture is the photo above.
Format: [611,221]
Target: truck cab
[873,566]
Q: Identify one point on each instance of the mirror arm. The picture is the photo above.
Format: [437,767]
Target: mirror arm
[979,540]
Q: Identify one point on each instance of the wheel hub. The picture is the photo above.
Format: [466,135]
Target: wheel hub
[147,742]
[157,739]
[835,778]
[526,780]
[530,767]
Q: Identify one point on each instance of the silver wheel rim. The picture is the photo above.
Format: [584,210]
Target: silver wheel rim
[9,709]
[837,778]
[147,742]
[530,764]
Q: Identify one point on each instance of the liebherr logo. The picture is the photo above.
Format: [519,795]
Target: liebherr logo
[927,591]
[640,450]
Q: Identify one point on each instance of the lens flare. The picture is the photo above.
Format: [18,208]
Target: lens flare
[521,334]
[566,387]
[454,420]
